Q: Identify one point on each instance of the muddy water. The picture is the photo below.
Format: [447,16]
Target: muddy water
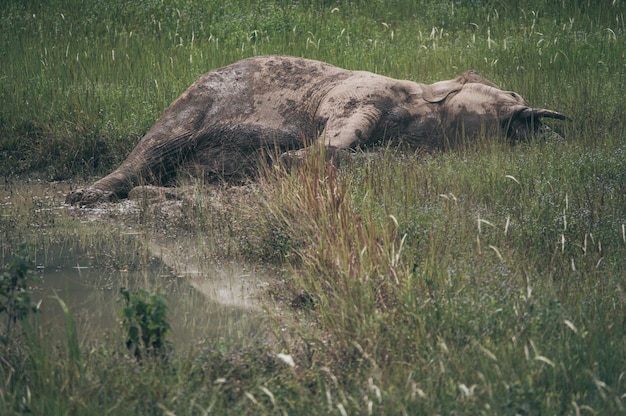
[205,301]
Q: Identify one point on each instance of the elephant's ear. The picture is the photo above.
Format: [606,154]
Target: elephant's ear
[439,91]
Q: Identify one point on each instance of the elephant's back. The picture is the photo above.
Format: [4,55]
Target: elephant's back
[266,92]
[270,81]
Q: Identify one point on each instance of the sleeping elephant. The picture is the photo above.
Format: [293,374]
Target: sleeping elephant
[280,105]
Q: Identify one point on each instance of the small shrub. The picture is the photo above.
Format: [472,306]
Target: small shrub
[145,323]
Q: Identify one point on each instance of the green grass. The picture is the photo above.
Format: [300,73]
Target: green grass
[484,280]
[506,277]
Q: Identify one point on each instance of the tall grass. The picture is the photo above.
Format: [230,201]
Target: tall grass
[490,289]
[487,279]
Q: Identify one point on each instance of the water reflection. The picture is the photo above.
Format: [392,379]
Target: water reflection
[204,302]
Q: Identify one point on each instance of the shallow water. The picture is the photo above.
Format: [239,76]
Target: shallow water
[206,299]
[218,303]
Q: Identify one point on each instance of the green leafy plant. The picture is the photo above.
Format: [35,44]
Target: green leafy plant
[15,300]
[145,323]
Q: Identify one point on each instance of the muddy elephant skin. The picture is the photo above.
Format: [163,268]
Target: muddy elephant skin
[283,105]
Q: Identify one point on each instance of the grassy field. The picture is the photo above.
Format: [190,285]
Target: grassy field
[489,279]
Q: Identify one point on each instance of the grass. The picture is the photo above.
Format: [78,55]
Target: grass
[487,281]
[484,280]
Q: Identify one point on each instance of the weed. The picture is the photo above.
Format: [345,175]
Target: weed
[145,323]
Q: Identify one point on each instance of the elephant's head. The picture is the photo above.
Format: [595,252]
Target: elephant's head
[471,105]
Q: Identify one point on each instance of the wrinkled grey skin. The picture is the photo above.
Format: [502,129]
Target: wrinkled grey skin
[282,105]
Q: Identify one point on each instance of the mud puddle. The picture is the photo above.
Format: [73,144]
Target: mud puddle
[208,302]
[206,299]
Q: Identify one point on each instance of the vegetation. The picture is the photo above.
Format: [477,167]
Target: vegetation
[145,322]
[484,280]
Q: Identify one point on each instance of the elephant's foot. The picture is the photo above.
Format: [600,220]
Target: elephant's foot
[89,197]
[294,158]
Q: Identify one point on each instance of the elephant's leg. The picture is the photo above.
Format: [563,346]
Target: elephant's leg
[158,154]
[340,133]
[153,161]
